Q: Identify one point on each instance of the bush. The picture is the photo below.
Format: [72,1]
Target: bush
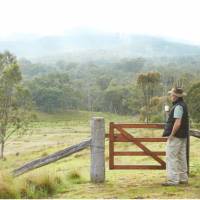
[157,118]
[193,99]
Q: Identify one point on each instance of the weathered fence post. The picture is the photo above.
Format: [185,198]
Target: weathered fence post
[97,171]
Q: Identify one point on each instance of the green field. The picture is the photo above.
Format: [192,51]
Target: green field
[70,177]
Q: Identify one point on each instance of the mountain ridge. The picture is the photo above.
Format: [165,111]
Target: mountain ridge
[93,42]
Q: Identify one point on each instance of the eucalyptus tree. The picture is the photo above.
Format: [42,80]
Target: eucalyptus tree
[15,101]
[148,83]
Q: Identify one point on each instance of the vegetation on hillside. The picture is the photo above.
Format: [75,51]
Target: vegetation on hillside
[114,86]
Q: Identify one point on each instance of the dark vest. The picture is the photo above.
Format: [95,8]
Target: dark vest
[183,131]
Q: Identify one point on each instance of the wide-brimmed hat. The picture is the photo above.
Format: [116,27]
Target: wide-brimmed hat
[177,92]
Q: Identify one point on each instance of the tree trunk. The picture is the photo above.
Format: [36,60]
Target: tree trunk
[2,150]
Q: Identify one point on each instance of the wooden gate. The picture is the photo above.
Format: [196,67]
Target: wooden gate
[124,136]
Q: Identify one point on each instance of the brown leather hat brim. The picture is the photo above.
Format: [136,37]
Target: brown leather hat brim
[176,94]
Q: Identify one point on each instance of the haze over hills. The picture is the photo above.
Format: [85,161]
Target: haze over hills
[84,45]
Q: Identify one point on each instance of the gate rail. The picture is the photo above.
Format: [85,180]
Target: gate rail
[124,136]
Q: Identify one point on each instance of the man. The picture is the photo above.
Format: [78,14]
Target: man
[177,130]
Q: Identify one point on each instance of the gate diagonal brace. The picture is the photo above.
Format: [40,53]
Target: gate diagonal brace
[141,146]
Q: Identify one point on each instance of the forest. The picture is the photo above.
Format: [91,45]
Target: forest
[127,86]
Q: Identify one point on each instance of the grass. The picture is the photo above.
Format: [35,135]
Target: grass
[36,185]
[70,177]
[74,175]
[6,186]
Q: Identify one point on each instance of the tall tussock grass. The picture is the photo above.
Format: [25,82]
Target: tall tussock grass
[6,187]
[75,177]
[38,185]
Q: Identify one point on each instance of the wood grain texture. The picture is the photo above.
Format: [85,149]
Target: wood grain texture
[51,158]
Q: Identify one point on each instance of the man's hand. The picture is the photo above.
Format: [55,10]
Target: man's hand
[176,126]
[171,137]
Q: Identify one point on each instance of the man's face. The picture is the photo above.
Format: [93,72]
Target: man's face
[173,97]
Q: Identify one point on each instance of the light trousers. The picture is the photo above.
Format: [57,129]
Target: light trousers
[176,161]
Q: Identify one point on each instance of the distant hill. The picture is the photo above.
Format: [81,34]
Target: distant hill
[90,44]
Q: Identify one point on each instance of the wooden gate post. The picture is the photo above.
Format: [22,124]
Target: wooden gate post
[97,170]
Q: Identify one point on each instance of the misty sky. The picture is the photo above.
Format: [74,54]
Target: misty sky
[177,19]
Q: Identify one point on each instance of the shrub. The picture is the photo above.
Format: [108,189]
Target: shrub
[157,118]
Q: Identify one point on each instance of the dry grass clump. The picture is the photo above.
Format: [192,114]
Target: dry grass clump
[38,185]
[75,177]
[7,189]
